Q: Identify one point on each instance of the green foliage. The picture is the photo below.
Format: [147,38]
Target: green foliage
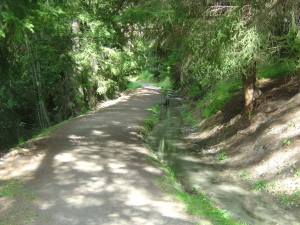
[249,113]
[59,59]
[165,84]
[290,41]
[144,76]
[297,170]
[132,85]
[222,50]
[12,189]
[9,188]
[286,142]
[200,47]
[189,118]
[244,174]
[152,119]
[290,199]
[213,101]
[259,185]
[275,69]
[221,156]
[196,201]
[195,91]
[167,69]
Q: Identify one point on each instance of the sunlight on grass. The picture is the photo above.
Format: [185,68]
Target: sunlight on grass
[133,85]
[196,201]
[47,131]
[165,84]
[275,70]
[144,76]
[213,101]
[21,213]
[9,188]
[259,185]
[151,120]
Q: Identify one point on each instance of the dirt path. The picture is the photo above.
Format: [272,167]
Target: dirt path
[91,170]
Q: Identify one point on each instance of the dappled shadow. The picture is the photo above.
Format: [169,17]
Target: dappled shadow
[201,171]
[229,118]
[238,136]
[266,146]
[94,170]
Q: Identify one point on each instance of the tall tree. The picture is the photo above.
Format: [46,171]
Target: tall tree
[59,58]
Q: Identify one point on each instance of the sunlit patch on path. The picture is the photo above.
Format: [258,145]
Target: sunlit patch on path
[94,170]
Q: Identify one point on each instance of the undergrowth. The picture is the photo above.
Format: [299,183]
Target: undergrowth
[144,76]
[9,188]
[259,184]
[221,156]
[147,76]
[292,199]
[275,70]
[210,102]
[132,85]
[195,200]
[213,101]
[12,191]
[151,119]
[47,131]
[187,115]
[165,84]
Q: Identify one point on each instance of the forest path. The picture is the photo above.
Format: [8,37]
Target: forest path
[92,170]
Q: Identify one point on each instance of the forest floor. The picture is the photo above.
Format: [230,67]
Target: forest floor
[262,152]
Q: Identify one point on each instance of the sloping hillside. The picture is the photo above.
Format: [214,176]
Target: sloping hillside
[262,151]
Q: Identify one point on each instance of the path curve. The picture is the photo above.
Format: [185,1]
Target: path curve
[94,170]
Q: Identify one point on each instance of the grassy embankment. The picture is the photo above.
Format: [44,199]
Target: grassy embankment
[196,202]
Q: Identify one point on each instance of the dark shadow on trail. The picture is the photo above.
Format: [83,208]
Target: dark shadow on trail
[94,170]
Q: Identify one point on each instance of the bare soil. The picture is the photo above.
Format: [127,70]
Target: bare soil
[263,147]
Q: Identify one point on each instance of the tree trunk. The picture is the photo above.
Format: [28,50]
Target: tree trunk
[42,113]
[41,108]
[251,92]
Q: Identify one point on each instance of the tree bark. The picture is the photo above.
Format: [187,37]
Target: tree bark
[251,92]
[42,113]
